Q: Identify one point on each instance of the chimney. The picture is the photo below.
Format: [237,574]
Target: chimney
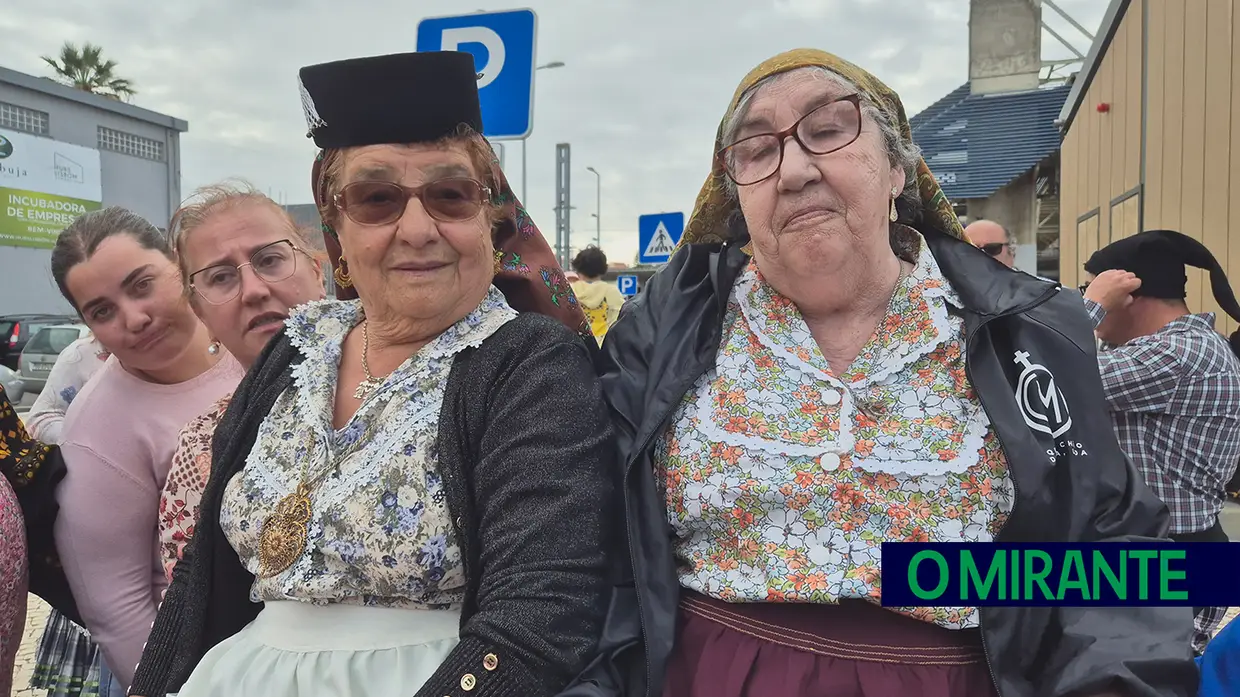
[1005,45]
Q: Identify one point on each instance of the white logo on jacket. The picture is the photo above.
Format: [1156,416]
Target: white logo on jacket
[1040,400]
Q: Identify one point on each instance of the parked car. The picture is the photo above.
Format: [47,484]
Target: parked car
[42,350]
[12,384]
[16,330]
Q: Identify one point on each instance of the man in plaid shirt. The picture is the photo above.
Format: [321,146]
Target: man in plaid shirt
[1171,380]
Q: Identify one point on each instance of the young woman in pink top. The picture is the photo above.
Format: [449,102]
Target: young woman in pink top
[245,264]
[120,273]
[67,662]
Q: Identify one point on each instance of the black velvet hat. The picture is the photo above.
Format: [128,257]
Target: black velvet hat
[1158,258]
[400,98]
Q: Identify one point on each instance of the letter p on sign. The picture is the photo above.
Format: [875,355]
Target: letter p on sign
[454,38]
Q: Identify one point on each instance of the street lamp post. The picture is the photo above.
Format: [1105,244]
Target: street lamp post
[598,208]
[524,170]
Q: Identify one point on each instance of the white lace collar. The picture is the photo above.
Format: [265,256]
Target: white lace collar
[318,330]
[795,407]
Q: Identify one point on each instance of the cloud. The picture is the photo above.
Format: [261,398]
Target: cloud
[640,97]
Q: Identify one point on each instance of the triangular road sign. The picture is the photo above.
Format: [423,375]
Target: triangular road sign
[661,243]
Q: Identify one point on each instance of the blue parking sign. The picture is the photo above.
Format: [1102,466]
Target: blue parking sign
[502,44]
[627,285]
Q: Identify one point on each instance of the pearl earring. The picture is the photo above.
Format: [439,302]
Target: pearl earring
[214,348]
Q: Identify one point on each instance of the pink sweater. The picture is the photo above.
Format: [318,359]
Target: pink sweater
[118,438]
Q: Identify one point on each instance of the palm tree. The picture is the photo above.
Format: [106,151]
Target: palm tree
[86,70]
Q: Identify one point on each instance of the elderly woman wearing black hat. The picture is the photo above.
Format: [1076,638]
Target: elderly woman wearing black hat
[410,492]
[1172,381]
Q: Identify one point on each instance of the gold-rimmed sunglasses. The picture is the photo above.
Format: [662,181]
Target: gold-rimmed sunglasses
[451,199]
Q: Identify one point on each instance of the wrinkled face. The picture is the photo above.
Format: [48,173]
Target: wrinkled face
[133,300]
[818,211]
[416,267]
[252,236]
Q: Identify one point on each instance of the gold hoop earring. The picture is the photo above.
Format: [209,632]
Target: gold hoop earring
[341,274]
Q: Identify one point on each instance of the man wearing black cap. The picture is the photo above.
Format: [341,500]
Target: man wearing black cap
[1171,380]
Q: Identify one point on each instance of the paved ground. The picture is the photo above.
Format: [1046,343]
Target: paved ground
[36,615]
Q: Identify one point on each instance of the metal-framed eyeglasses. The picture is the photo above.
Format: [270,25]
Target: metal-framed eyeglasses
[825,129]
[221,283]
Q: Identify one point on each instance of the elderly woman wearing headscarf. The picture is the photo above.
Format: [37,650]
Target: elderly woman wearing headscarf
[825,365]
[410,493]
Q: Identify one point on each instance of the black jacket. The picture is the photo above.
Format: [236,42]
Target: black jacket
[666,338]
[35,484]
[528,460]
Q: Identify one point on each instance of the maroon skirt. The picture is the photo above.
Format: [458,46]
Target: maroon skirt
[854,649]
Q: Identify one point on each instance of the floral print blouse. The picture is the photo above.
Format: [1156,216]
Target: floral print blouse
[380,531]
[182,494]
[783,479]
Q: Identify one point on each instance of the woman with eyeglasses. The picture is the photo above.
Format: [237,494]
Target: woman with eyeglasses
[826,365]
[246,265]
[120,273]
[411,492]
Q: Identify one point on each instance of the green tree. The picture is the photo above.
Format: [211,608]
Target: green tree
[86,70]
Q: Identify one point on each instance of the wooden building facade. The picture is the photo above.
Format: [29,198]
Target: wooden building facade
[1152,135]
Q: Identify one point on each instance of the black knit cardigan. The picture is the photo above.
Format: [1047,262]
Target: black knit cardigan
[528,460]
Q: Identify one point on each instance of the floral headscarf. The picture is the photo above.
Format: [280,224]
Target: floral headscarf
[715,206]
[526,270]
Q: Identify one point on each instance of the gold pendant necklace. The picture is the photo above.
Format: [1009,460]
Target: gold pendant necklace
[285,532]
[365,387]
[282,540]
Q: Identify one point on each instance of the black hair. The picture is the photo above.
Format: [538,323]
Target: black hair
[82,238]
[590,262]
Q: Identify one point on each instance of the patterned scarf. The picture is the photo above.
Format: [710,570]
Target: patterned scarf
[527,272]
[21,456]
[35,470]
[715,206]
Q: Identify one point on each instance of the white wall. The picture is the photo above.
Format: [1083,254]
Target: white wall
[26,283]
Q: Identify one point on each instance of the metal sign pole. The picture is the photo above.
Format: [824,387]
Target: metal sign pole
[563,203]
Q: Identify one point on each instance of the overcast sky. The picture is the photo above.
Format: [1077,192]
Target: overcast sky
[644,85]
